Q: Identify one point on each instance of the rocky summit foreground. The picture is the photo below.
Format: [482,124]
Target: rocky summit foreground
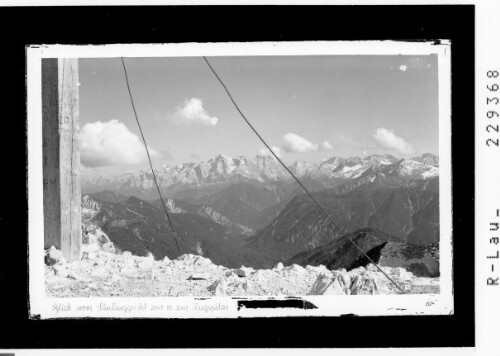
[103,273]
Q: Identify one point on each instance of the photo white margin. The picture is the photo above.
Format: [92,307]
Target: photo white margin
[45,307]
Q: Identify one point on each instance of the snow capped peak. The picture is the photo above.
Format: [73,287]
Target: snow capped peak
[260,157]
[240,160]
[381,159]
[332,160]
[302,168]
[428,158]
[263,168]
[223,157]
[424,167]
[416,168]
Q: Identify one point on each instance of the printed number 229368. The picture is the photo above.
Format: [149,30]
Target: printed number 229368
[492,111]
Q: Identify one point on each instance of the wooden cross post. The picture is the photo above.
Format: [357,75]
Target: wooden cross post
[61,156]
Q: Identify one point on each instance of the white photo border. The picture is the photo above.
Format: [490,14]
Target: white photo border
[226,307]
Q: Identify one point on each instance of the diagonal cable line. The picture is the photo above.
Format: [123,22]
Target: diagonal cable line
[294,177]
[149,157]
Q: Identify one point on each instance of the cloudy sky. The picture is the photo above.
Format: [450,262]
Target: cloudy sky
[307,107]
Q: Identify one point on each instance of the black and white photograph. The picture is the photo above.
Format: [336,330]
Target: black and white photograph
[320,172]
[250,177]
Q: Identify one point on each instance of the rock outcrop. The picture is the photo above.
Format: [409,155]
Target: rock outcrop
[53,256]
[102,271]
[381,248]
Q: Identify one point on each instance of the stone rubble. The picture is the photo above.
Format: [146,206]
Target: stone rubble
[53,256]
[104,272]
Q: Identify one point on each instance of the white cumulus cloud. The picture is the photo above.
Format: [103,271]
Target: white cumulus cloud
[389,140]
[192,111]
[296,143]
[326,146]
[111,143]
[265,151]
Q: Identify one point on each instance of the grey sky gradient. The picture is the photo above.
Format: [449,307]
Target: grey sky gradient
[339,99]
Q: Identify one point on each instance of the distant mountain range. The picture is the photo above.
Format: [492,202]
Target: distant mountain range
[193,180]
[239,211]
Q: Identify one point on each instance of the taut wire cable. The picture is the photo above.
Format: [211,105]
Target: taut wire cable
[296,179]
[149,157]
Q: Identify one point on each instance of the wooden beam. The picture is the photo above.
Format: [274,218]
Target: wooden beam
[61,156]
